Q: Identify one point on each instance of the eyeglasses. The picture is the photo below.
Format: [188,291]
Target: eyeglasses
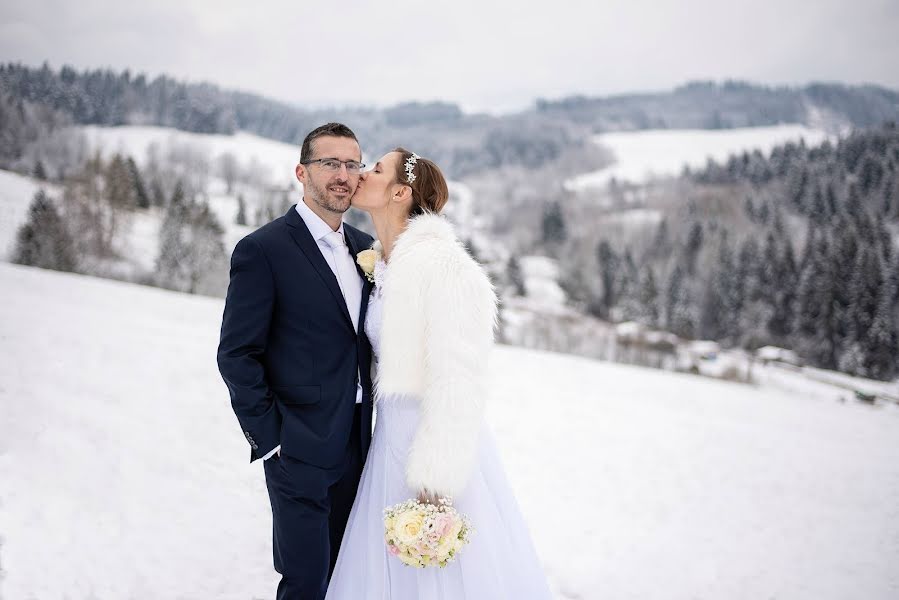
[333,165]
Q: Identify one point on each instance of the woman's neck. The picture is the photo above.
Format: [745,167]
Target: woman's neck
[388,227]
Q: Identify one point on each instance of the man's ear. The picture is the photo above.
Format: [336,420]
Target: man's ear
[301,173]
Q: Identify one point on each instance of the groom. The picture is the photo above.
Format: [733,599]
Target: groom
[297,364]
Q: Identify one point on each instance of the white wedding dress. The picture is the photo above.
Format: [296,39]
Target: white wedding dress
[499,563]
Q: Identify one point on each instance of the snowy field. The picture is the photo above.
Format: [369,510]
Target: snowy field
[125,474]
[274,156]
[642,155]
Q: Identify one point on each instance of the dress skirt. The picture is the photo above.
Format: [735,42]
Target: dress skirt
[499,563]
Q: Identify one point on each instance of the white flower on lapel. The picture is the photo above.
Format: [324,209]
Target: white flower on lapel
[367,260]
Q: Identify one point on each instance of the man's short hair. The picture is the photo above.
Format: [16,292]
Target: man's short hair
[333,129]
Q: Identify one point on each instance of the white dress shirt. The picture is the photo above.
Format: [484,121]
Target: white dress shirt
[337,254]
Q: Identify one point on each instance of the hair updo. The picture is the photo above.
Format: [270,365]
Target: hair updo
[429,190]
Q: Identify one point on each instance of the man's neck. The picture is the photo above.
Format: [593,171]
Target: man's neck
[332,219]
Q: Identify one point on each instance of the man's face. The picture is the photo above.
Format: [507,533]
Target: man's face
[331,190]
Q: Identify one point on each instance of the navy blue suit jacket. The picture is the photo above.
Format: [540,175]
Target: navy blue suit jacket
[288,351]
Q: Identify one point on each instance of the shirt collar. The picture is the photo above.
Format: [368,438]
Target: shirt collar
[316,225]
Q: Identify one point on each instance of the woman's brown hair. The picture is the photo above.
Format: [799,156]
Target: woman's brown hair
[429,190]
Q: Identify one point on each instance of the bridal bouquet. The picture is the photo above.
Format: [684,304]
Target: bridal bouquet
[424,535]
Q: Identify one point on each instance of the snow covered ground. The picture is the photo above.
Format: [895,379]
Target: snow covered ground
[277,157]
[642,155]
[124,473]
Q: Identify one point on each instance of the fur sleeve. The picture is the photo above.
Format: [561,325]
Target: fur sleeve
[459,307]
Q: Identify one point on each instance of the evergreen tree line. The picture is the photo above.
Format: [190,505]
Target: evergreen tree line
[861,169]
[105,97]
[460,143]
[23,123]
[554,133]
[717,105]
[85,228]
[828,290]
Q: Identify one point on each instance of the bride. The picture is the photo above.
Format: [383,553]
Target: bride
[430,321]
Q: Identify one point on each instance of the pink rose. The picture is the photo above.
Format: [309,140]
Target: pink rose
[393,550]
[444,522]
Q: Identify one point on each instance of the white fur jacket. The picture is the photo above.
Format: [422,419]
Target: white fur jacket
[438,315]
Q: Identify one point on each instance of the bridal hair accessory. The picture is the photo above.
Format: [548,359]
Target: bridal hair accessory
[410,164]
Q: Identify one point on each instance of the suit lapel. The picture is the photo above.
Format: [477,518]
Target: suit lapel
[355,249]
[300,234]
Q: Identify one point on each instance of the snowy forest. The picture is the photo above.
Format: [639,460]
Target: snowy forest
[794,248]
[808,262]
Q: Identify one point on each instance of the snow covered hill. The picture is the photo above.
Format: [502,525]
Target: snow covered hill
[641,155]
[271,163]
[124,473]
[275,157]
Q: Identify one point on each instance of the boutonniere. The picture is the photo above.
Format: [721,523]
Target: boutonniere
[367,260]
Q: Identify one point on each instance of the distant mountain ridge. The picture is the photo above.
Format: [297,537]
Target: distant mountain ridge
[35,98]
[710,105]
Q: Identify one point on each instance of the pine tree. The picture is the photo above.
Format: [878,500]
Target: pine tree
[229,170]
[853,204]
[118,197]
[830,201]
[661,243]
[797,186]
[757,311]
[865,292]
[693,246]
[241,218]
[649,297]
[553,224]
[40,172]
[157,195]
[171,264]
[815,317]
[119,186]
[190,245]
[817,210]
[205,248]
[609,263]
[626,284]
[846,248]
[717,309]
[881,344]
[44,241]
[678,309]
[141,198]
[870,173]
[784,285]
[516,277]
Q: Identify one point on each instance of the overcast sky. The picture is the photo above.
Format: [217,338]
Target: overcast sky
[483,54]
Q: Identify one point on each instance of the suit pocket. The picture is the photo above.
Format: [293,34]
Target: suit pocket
[298,394]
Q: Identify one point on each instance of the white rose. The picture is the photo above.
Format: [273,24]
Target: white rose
[367,260]
[408,526]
